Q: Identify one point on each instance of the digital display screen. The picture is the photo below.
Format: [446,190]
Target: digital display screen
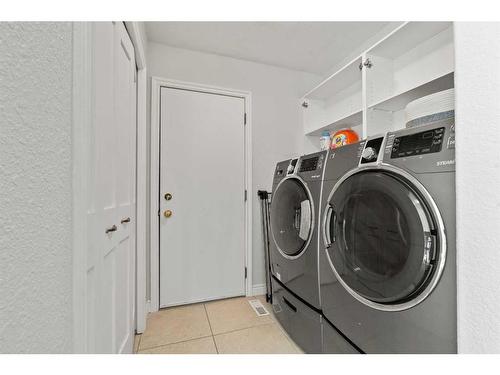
[417,144]
[310,164]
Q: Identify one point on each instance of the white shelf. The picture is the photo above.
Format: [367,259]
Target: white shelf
[405,38]
[396,70]
[414,60]
[346,77]
[400,100]
[349,121]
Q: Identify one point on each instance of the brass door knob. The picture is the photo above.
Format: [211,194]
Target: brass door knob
[168,196]
[167,213]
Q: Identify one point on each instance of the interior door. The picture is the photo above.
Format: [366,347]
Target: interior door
[202,247]
[111,219]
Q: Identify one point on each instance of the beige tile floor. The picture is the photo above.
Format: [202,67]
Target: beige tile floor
[228,326]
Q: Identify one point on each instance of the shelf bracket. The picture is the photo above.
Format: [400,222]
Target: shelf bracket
[368,63]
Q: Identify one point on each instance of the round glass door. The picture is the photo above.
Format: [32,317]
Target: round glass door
[383,242]
[291,217]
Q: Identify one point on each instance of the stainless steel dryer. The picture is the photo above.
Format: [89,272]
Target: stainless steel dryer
[388,239]
[340,161]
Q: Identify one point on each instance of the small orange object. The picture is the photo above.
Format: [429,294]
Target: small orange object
[344,137]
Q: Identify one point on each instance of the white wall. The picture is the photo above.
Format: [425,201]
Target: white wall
[276,113]
[477,82]
[35,186]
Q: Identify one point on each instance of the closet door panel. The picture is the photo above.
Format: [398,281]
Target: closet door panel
[111,277]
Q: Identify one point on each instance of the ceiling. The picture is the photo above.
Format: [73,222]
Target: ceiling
[313,47]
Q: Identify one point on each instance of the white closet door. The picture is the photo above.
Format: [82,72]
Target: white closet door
[111,260]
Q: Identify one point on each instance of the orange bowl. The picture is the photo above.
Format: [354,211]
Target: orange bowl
[344,137]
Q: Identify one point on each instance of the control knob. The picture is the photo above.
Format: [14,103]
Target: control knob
[369,153]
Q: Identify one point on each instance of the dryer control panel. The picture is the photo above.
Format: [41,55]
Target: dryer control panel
[423,149]
[425,142]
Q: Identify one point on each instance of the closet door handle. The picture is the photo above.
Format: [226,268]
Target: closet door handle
[126,220]
[112,229]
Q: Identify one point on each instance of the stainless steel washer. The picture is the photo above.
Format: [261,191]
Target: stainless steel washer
[294,218]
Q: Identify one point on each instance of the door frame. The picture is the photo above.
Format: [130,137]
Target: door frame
[83,111]
[156,84]
[141,303]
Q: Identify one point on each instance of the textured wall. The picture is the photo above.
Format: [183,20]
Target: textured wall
[276,113]
[477,81]
[35,187]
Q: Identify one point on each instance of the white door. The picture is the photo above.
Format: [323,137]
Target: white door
[202,248]
[111,219]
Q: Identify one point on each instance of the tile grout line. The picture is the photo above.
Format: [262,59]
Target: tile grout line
[290,340]
[223,333]
[242,329]
[295,345]
[273,321]
[210,325]
[176,342]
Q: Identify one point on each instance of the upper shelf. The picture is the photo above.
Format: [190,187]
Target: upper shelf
[397,43]
[399,100]
[347,121]
[414,60]
[346,77]
[406,37]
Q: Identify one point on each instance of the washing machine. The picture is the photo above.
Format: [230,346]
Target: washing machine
[293,247]
[388,240]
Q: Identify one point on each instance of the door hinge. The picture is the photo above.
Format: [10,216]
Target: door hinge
[135,74]
[246,194]
[158,212]
[246,272]
[244,119]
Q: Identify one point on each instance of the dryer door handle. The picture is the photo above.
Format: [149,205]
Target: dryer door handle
[327,228]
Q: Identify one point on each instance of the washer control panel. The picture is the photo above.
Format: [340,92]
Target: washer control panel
[425,142]
[309,164]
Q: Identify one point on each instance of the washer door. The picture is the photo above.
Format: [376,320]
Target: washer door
[291,217]
[381,239]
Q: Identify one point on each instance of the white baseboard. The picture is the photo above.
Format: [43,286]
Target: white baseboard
[259,289]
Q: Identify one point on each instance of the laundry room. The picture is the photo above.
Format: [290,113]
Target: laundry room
[223,185]
[351,246]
